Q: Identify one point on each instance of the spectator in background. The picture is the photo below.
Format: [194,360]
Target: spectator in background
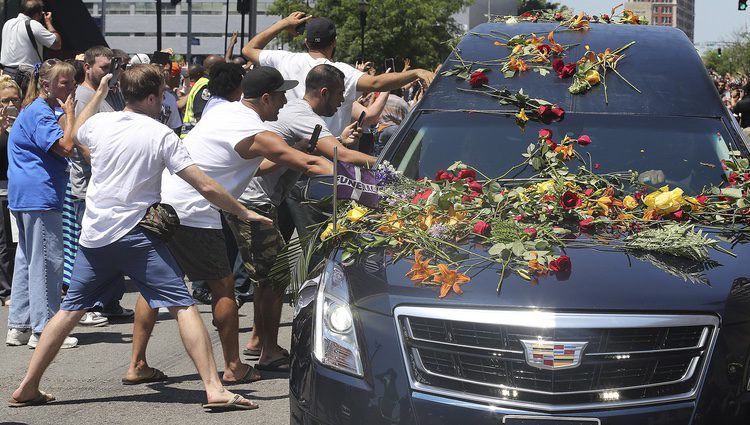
[198,96]
[224,84]
[23,38]
[10,104]
[394,113]
[37,175]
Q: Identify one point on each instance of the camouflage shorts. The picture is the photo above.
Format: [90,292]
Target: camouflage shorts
[258,244]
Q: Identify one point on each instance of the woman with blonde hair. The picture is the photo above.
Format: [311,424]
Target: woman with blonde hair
[10,104]
[37,176]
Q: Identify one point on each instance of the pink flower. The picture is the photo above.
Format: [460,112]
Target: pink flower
[481,228]
[531,232]
[584,140]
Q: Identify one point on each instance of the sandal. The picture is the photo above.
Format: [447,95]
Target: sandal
[279,365]
[233,404]
[156,376]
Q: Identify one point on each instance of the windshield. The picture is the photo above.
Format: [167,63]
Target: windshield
[679,151]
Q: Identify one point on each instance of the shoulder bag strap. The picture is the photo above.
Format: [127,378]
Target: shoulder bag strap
[33,40]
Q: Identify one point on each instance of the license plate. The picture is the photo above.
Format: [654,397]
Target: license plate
[548,420]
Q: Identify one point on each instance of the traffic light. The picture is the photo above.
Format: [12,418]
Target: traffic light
[243,6]
[174,2]
[742,5]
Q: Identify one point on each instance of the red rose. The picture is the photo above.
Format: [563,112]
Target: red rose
[597,165]
[526,14]
[678,215]
[544,48]
[518,217]
[701,199]
[481,228]
[443,175]
[588,192]
[638,195]
[548,198]
[585,224]
[421,195]
[568,70]
[478,79]
[548,113]
[570,200]
[584,140]
[531,232]
[475,194]
[545,133]
[561,264]
[732,179]
[606,18]
[558,65]
[475,186]
[467,173]
[551,143]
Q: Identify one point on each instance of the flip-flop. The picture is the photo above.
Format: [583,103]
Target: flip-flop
[275,366]
[233,404]
[256,353]
[41,398]
[156,376]
[246,379]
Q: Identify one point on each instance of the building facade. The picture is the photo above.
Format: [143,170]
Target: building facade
[671,13]
[131,25]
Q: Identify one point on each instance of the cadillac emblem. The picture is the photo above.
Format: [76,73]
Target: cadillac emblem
[553,354]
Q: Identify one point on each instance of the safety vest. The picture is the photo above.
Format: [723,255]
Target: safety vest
[188,120]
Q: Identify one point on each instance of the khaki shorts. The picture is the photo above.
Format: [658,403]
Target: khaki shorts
[258,244]
[201,253]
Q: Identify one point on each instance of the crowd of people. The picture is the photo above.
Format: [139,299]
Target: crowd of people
[735,94]
[128,168]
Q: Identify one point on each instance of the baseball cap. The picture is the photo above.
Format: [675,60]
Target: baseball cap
[320,31]
[140,59]
[264,79]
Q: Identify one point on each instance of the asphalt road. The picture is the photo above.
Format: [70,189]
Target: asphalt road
[86,379]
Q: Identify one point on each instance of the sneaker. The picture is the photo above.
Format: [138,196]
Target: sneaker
[70,341]
[17,337]
[118,313]
[203,297]
[93,318]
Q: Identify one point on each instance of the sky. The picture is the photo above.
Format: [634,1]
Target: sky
[715,20]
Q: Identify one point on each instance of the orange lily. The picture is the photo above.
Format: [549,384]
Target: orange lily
[605,202]
[393,224]
[535,40]
[421,269]
[425,221]
[455,216]
[579,23]
[567,151]
[450,279]
[517,65]
[649,214]
[553,44]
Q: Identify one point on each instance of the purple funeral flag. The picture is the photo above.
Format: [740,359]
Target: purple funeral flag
[357,184]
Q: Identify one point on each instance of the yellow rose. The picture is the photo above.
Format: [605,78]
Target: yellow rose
[593,77]
[545,186]
[521,117]
[356,213]
[665,201]
[629,202]
[328,232]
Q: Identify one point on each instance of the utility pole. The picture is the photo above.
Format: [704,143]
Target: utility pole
[190,31]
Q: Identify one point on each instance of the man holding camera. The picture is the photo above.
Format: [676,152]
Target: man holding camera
[23,38]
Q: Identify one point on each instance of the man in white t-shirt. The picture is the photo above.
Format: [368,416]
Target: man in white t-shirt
[128,152]
[320,40]
[260,244]
[229,144]
[17,48]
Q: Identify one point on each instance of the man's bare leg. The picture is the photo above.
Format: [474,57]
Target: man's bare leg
[52,338]
[143,326]
[254,343]
[195,338]
[270,310]
[227,321]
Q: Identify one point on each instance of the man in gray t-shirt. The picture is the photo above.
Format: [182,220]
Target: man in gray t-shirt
[259,243]
[97,63]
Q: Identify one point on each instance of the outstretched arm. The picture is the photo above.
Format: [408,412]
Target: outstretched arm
[252,49]
[393,80]
[274,148]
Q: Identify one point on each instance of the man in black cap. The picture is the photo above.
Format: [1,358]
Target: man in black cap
[320,40]
[229,144]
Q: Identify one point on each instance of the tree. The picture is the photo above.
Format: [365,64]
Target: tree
[415,29]
[734,58]
[529,5]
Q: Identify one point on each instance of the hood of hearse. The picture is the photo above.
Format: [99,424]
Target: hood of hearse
[601,280]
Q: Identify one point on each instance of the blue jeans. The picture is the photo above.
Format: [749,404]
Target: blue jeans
[37,278]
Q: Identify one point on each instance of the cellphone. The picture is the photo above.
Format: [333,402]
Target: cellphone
[11,111]
[115,68]
[390,63]
[360,119]
[300,29]
[314,138]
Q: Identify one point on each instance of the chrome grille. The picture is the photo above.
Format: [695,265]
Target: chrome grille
[627,359]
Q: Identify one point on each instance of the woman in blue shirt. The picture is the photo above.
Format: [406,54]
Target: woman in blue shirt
[37,176]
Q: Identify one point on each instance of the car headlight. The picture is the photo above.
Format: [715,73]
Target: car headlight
[335,337]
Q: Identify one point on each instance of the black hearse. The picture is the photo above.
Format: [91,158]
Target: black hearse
[370,347]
